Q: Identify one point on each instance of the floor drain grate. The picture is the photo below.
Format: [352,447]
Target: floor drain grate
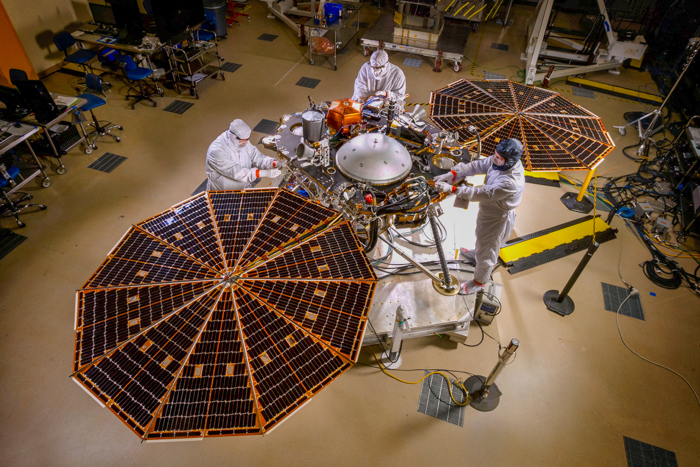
[9,241]
[489,75]
[230,67]
[498,46]
[107,162]
[266,126]
[583,92]
[645,455]
[308,82]
[202,187]
[414,62]
[435,400]
[267,37]
[613,296]
[178,107]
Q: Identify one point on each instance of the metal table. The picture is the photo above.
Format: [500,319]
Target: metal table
[20,135]
[342,33]
[99,40]
[67,112]
[450,46]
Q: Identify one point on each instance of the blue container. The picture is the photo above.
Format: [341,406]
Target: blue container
[333,10]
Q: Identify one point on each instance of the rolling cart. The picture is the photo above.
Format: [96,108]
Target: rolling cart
[342,31]
[450,45]
[193,64]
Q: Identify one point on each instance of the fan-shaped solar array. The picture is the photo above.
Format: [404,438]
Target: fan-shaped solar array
[556,133]
[223,315]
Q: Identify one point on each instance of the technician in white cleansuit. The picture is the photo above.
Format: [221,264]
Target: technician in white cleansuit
[381,78]
[233,163]
[497,198]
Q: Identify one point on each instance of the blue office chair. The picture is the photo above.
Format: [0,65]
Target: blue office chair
[135,74]
[17,75]
[99,127]
[10,207]
[80,57]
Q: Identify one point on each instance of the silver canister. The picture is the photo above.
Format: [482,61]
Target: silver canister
[314,125]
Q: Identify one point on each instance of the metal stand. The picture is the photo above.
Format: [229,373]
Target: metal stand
[578,202]
[693,47]
[391,359]
[561,303]
[483,392]
[597,60]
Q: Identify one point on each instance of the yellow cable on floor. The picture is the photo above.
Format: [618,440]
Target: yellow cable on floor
[458,383]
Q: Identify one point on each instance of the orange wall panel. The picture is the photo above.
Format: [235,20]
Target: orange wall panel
[12,53]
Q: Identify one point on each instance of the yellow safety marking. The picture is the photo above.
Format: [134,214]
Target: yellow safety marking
[477,11]
[546,175]
[448,6]
[460,8]
[492,9]
[478,47]
[467,12]
[551,240]
[617,89]
[603,96]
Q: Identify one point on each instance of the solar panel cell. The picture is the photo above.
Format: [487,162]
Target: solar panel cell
[189,226]
[340,257]
[286,210]
[237,216]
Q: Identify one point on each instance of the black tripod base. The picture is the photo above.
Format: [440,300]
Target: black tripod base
[584,206]
[473,385]
[566,307]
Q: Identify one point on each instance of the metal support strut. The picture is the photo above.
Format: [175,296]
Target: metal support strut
[449,286]
[561,303]
[391,359]
[483,392]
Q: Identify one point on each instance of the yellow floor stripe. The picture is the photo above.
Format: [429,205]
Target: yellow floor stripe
[478,47]
[603,96]
[551,240]
[631,92]
[548,175]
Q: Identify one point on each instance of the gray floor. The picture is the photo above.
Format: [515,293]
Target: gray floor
[571,396]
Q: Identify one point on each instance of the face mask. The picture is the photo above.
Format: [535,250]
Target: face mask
[503,167]
[378,72]
[236,141]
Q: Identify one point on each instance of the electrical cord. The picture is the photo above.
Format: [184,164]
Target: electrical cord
[635,292]
[457,383]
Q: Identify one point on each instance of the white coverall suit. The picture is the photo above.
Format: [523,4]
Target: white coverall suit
[230,167]
[497,198]
[392,80]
